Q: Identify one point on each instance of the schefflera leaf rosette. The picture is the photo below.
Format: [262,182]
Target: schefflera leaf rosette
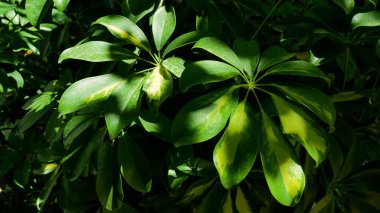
[249,125]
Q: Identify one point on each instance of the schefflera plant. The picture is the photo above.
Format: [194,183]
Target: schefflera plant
[247,130]
[119,95]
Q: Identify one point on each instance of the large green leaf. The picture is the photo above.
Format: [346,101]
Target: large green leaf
[248,53]
[298,126]
[346,5]
[236,151]
[88,91]
[285,177]
[61,4]
[272,56]
[122,107]
[204,117]
[158,86]
[297,68]
[34,10]
[368,19]
[134,166]
[220,49]
[313,99]
[108,180]
[97,51]
[183,40]
[206,71]
[123,28]
[163,25]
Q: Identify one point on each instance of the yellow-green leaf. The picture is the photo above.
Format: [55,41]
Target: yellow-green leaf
[158,86]
[241,202]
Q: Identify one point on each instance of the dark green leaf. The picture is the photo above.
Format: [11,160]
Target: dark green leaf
[249,55]
[272,56]
[183,40]
[76,126]
[368,19]
[163,25]
[213,201]
[378,48]
[21,174]
[54,127]
[45,192]
[174,65]
[204,117]
[196,189]
[346,5]
[156,124]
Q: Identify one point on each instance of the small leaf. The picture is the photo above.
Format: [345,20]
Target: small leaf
[123,105]
[61,4]
[298,68]
[242,204]
[196,189]
[228,204]
[204,117]
[368,19]
[297,125]
[34,10]
[123,28]
[97,51]
[88,91]
[174,65]
[272,56]
[284,176]
[236,151]
[206,71]
[158,86]
[183,40]
[156,124]
[45,192]
[134,166]
[220,49]
[249,55]
[346,5]
[163,25]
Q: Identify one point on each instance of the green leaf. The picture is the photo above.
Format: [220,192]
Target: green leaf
[213,201]
[123,28]
[241,202]
[368,19]
[220,49]
[163,26]
[54,127]
[228,204]
[204,117]
[88,91]
[46,190]
[196,189]
[236,151]
[21,174]
[313,99]
[108,180]
[298,68]
[134,166]
[174,65]
[76,126]
[298,126]
[346,5]
[6,7]
[61,4]
[206,71]
[248,53]
[123,105]
[272,56]
[124,209]
[378,48]
[284,176]
[183,40]
[156,124]
[158,86]
[97,51]
[33,10]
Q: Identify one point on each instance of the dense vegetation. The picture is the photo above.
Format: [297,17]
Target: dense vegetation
[189,105]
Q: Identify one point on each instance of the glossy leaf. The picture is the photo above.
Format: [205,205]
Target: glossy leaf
[204,117]
[158,86]
[123,28]
[249,55]
[236,151]
[61,4]
[219,49]
[196,189]
[156,124]
[284,176]
[367,19]
[34,9]
[76,126]
[46,190]
[97,51]
[174,65]
[298,126]
[183,40]
[297,68]
[206,71]
[108,180]
[134,166]
[88,91]
[272,56]
[123,105]
[346,5]
[313,99]
[163,26]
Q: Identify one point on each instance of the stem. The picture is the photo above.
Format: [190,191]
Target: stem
[266,18]
[257,73]
[345,67]
[147,61]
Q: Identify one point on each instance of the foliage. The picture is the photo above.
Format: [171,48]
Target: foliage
[196,105]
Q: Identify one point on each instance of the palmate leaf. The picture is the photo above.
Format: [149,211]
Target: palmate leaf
[204,117]
[284,176]
[249,55]
[163,25]
[297,125]
[236,151]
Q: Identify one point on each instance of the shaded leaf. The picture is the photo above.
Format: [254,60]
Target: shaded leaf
[183,40]
[156,124]
[46,190]
[76,126]
[272,56]
[346,5]
[249,55]
[241,202]
[213,201]
[163,25]
[196,189]
[61,4]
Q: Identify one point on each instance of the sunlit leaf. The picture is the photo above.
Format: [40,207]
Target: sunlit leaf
[196,189]
[34,10]
[158,86]
[367,19]
[174,65]
[163,25]
[5,7]
[242,203]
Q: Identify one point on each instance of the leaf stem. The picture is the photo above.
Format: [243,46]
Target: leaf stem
[266,19]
